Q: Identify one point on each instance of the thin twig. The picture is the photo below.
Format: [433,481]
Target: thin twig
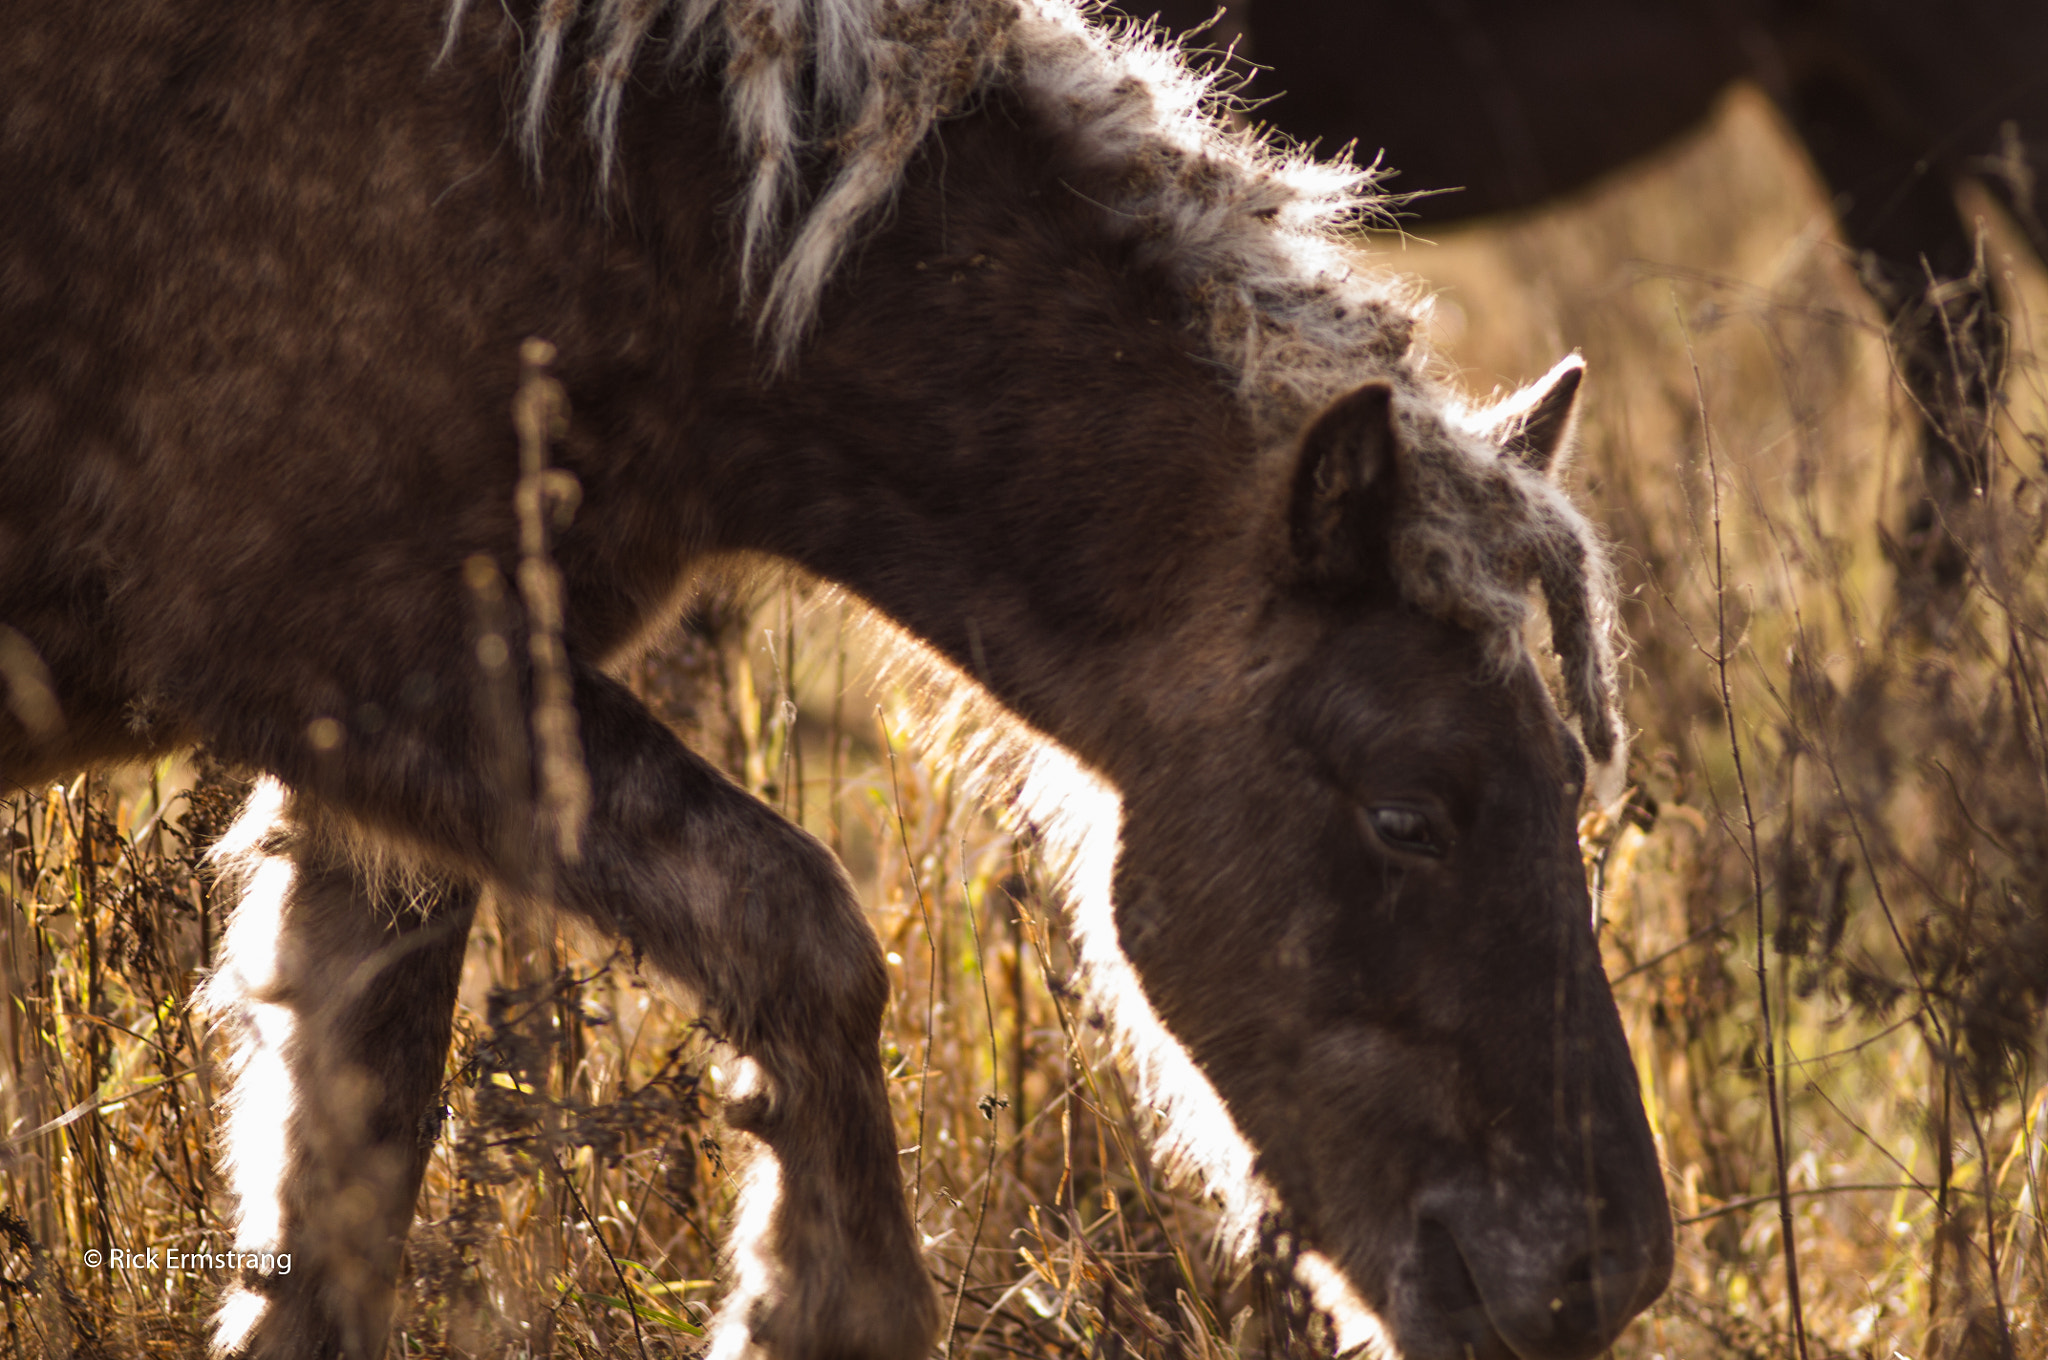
[568,1183]
[931,991]
[1736,1206]
[1770,1076]
[1711,928]
[989,1103]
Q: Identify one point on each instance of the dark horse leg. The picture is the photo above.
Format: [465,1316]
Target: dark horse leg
[338,985]
[713,889]
[2016,170]
[1922,262]
[758,921]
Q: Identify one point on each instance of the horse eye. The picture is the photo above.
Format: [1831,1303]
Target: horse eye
[1406,828]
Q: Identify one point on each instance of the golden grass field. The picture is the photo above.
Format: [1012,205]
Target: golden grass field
[1747,448]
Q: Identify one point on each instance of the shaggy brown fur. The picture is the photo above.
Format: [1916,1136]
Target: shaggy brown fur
[1094,411]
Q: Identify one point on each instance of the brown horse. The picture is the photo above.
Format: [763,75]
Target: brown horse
[961,304]
[1490,105]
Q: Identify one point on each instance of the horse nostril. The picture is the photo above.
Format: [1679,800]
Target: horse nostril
[1490,1295]
[1454,1296]
[1596,1293]
[1444,1272]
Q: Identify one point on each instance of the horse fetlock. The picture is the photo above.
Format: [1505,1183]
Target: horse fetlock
[278,1317]
[868,1312]
[825,1253]
[826,1103]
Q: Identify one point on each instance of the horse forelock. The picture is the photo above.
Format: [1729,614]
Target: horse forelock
[1478,533]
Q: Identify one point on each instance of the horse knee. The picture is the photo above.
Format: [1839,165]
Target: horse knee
[756,918]
[828,953]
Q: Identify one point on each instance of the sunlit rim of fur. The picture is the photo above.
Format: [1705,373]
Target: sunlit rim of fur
[237,997]
[1076,819]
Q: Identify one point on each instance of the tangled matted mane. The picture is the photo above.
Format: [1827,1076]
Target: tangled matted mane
[1252,231]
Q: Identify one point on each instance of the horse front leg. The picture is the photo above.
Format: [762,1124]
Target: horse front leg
[721,895]
[337,985]
[1922,261]
[757,920]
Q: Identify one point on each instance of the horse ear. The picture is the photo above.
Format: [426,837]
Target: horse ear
[1345,483]
[1538,425]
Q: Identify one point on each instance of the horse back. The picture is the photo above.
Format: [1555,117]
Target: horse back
[264,274]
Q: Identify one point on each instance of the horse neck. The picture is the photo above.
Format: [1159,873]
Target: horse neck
[1001,436]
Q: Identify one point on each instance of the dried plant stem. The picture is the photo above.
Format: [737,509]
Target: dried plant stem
[1756,873]
[1990,1189]
[1020,1038]
[597,1231]
[541,412]
[1736,1206]
[835,749]
[989,1103]
[931,994]
[792,746]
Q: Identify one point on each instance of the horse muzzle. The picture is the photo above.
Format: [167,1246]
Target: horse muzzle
[1564,1291]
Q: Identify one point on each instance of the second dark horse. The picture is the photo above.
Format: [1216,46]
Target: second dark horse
[1509,104]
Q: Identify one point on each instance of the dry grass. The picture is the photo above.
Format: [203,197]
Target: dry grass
[1752,453]
[1892,809]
